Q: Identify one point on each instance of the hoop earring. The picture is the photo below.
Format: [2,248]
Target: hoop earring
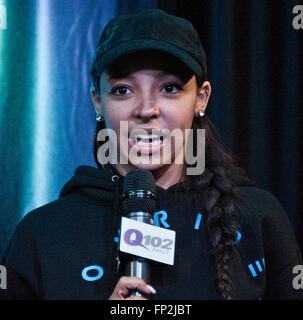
[99,118]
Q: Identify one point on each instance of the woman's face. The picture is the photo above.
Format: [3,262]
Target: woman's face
[152,99]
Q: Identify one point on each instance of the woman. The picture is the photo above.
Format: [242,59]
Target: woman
[233,240]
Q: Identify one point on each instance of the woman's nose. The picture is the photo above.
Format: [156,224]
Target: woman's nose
[147,109]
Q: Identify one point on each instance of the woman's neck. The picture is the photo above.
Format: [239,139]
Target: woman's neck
[168,176]
[165,176]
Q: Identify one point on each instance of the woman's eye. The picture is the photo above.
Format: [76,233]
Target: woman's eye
[120,91]
[171,88]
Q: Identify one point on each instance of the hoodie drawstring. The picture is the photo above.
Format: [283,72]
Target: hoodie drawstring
[115,178]
[114,261]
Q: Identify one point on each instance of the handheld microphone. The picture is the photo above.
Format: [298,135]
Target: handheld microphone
[139,203]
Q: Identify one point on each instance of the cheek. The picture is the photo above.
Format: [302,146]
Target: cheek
[114,115]
[180,115]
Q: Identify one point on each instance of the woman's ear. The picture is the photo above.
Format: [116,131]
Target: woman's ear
[203,96]
[96,100]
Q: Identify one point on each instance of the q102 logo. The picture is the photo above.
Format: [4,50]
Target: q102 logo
[134,237]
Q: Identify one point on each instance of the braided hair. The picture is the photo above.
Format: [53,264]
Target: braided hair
[218,199]
[216,191]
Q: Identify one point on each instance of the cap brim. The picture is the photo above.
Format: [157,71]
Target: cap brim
[102,60]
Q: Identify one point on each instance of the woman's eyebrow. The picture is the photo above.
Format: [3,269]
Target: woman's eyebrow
[159,75]
[162,74]
[180,77]
[121,76]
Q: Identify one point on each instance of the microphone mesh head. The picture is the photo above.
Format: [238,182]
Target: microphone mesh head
[139,179]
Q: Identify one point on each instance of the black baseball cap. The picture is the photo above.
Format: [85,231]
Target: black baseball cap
[150,29]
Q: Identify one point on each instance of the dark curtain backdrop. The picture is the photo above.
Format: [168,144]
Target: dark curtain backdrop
[255,61]
[47,120]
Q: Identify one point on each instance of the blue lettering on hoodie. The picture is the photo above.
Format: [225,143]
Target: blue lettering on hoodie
[198,221]
[161,216]
[254,270]
[98,276]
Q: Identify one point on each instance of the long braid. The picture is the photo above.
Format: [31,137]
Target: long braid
[218,199]
[222,228]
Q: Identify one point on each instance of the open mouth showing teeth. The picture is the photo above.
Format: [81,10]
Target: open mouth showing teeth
[148,139]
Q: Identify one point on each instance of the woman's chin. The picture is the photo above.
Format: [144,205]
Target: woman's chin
[152,162]
[147,166]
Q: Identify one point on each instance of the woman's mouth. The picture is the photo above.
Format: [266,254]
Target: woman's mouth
[146,140]
[146,143]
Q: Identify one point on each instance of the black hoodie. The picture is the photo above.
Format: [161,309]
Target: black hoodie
[66,249]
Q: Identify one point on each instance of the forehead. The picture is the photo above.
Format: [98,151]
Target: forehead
[148,59]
